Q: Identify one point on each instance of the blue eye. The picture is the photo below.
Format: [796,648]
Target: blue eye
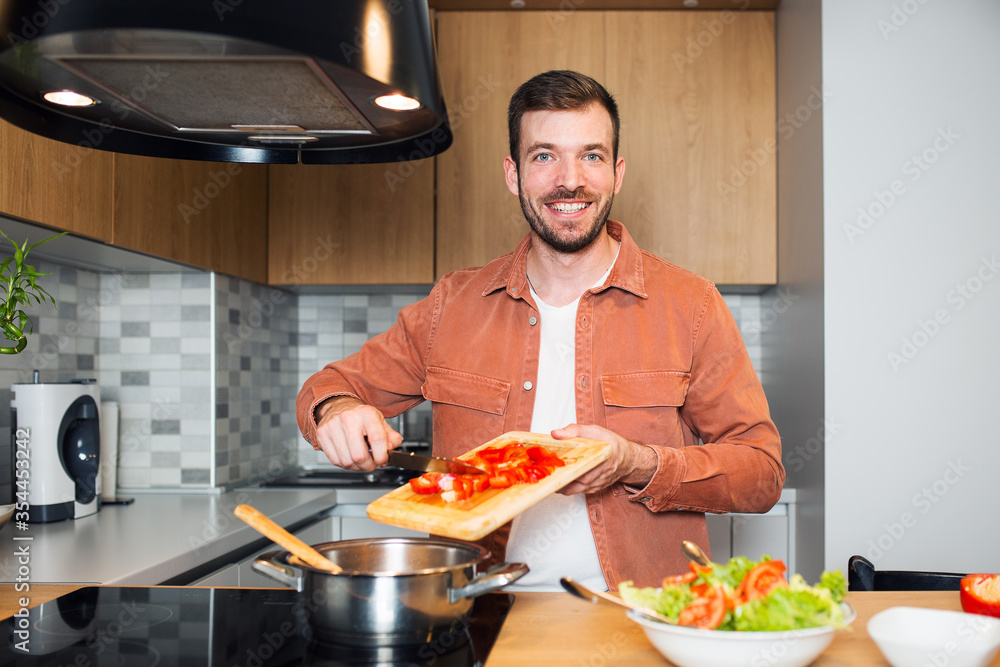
[543,157]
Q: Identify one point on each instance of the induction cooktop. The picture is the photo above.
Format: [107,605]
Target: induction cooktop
[218,627]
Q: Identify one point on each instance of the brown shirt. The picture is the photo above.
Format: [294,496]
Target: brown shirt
[659,360]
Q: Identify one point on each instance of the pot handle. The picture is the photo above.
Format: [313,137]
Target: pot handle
[493,579]
[269,566]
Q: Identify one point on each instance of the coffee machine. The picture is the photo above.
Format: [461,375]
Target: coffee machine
[59,424]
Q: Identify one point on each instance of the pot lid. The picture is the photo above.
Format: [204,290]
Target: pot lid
[350,81]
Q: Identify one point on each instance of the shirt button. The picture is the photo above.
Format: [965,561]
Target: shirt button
[583,321]
[532,320]
[645,500]
[527,386]
[583,381]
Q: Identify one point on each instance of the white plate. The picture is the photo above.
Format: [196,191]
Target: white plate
[916,636]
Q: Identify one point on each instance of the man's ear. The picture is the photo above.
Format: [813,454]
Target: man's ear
[619,173]
[510,175]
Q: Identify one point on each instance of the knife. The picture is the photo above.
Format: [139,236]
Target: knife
[411,461]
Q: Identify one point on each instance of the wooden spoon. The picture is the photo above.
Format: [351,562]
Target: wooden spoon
[282,537]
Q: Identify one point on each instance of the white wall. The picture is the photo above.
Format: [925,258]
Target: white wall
[911,135]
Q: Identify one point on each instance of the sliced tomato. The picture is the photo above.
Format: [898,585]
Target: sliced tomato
[545,457]
[480,482]
[980,594]
[426,483]
[536,472]
[760,581]
[707,611]
[679,579]
[503,479]
[460,489]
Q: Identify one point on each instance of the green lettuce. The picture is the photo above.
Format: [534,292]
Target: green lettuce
[794,607]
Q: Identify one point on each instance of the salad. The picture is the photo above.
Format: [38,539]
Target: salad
[744,595]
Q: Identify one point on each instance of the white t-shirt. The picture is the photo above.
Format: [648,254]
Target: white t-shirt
[553,537]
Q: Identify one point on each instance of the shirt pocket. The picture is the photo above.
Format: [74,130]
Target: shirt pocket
[466,390]
[645,406]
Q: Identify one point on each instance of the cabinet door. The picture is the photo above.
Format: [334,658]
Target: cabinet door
[696,93]
[212,215]
[483,57]
[67,186]
[363,224]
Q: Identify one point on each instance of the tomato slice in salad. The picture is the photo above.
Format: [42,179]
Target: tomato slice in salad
[707,611]
[760,581]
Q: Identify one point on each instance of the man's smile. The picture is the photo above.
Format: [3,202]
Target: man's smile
[568,207]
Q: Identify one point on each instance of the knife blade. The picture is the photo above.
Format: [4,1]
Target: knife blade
[411,461]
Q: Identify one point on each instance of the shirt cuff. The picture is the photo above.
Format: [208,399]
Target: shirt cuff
[657,494]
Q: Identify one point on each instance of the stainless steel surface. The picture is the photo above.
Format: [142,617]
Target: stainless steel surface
[392,591]
[694,553]
[412,461]
[581,591]
[198,80]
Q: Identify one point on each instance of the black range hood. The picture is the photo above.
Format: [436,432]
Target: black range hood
[310,81]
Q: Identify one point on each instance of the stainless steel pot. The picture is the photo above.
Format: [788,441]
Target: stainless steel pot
[392,591]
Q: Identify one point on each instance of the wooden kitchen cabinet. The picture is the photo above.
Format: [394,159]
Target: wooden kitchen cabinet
[66,186]
[696,94]
[363,224]
[482,58]
[211,215]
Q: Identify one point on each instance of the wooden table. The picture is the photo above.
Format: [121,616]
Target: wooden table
[557,629]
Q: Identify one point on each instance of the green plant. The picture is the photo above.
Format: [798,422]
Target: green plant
[18,279]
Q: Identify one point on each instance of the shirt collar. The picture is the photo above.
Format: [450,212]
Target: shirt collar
[626,274]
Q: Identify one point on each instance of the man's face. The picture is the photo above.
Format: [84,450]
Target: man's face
[568,176]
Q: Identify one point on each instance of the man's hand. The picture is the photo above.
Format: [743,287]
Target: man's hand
[630,462]
[354,435]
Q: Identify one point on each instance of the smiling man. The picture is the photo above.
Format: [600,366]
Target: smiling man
[577,332]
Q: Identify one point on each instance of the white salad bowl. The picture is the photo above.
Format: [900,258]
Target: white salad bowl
[693,647]
[915,636]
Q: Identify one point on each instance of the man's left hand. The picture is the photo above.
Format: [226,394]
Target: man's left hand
[630,462]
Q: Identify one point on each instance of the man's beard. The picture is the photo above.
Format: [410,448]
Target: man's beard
[547,234]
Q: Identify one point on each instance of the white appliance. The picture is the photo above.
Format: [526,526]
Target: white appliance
[59,424]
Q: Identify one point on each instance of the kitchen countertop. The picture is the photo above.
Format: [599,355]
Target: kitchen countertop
[153,540]
[557,629]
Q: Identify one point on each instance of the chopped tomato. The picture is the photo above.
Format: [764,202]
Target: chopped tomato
[980,594]
[460,489]
[480,482]
[679,579]
[426,483]
[503,479]
[707,611]
[545,457]
[760,581]
[505,466]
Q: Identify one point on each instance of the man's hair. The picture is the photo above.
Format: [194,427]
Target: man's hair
[558,90]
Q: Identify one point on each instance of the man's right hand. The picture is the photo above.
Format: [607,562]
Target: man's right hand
[354,435]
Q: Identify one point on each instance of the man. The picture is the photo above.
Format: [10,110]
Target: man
[577,333]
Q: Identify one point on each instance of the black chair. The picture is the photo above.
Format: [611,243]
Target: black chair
[862,576]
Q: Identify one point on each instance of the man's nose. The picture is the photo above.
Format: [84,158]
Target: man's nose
[570,175]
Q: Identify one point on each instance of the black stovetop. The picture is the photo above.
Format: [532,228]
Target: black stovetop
[218,627]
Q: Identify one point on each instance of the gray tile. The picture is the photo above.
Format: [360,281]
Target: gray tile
[166,427]
[196,476]
[195,313]
[135,379]
[135,329]
[195,280]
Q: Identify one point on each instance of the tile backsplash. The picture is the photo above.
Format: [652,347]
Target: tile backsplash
[205,368]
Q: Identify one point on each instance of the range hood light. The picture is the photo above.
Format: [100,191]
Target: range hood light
[397,102]
[68,98]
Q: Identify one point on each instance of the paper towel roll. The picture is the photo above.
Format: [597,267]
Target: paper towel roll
[109,450]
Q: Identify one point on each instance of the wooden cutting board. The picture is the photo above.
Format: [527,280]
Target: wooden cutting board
[486,511]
